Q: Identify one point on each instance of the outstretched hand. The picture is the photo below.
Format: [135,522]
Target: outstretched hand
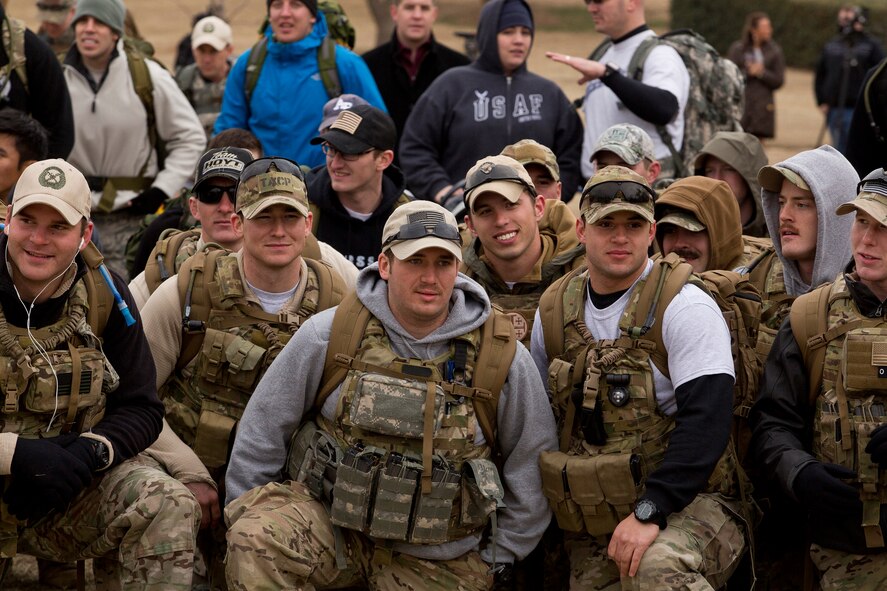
[590,69]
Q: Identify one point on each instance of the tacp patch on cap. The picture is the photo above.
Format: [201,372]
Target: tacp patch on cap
[263,190]
[771,177]
[685,220]
[360,129]
[224,162]
[532,152]
[631,143]
[498,174]
[57,184]
[614,189]
[440,230]
[212,31]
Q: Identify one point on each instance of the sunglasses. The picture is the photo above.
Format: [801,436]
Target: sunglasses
[212,195]
[422,229]
[331,153]
[52,7]
[265,165]
[496,172]
[626,191]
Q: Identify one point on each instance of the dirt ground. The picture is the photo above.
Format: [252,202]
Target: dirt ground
[164,22]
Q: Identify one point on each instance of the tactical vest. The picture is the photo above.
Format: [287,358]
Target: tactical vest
[765,273]
[228,343]
[612,433]
[204,96]
[520,303]
[850,403]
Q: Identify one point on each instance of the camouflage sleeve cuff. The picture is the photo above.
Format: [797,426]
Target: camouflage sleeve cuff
[7,450]
[97,437]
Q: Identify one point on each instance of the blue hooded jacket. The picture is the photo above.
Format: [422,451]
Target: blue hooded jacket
[287,102]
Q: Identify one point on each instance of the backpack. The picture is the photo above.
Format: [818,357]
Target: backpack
[737,299]
[498,346]
[717,92]
[13,32]
[340,32]
[138,52]
[184,221]
[809,322]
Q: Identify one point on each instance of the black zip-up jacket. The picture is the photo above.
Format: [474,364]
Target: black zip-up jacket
[133,416]
[842,66]
[358,241]
[782,426]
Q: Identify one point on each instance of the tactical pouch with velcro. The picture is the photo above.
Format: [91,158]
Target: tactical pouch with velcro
[395,406]
[560,385]
[313,459]
[80,391]
[355,481]
[482,492]
[552,465]
[393,503]
[213,439]
[605,489]
[229,361]
[433,510]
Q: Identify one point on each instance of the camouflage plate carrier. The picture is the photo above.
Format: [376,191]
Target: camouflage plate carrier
[203,95]
[228,343]
[402,445]
[79,370]
[846,358]
[612,433]
[765,274]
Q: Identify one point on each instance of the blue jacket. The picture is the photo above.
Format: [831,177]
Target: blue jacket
[287,103]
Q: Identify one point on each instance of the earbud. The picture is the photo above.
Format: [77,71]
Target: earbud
[82,244]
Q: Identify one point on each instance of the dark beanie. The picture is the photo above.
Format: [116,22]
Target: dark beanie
[309,4]
[515,14]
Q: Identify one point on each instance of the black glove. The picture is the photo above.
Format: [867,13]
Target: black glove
[877,446]
[503,577]
[44,477]
[148,201]
[821,490]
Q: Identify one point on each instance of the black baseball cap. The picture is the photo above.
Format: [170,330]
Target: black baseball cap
[359,129]
[227,162]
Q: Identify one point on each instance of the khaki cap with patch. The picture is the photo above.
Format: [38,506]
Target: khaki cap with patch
[261,191]
[623,190]
[771,178]
[501,175]
[532,152]
[418,225]
[685,220]
[57,184]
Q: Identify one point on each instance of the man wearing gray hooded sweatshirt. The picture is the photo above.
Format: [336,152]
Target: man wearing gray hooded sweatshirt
[414,489]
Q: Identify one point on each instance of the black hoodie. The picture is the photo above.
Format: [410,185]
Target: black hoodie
[474,111]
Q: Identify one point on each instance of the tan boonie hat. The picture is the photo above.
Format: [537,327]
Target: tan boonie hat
[263,190]
[501,175]
[872,198]
[631,143]
[683,219]
[57,184]
[771,178]
[54,11]
[532,152]
[616,188]
[418,225]
[212,31]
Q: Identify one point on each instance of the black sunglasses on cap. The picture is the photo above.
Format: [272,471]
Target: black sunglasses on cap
[52,7]
[422,229]
[263,166]
[212,195]
[495,172]
[626,191]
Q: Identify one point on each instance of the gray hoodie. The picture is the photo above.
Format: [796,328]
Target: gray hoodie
[524,418]
[832,180]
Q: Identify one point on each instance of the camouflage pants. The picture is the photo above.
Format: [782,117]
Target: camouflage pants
[137,523]
[114,230]
[840,571]
[281,538]
[699,549]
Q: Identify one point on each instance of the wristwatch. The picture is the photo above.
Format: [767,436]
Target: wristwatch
[646,511]
[609,68]
[100,450]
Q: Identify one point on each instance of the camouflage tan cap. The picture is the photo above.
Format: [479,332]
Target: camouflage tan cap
[417,225]
[684,219]
[500,175]
[532,152]
[53,11]
[57,184]
[271,181]
[771,178]
[872,198]
[613,189]
[631,143]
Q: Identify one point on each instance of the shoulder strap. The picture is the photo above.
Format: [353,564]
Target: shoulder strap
[185,79]
[101,299]
[144,88]
[196,301]
[161,264]
[312,248]
[254,67]
[349,325]
[598,52]
[326,65]
[332,286]
[551,314]
[13,31]
[809,318]
[866,95]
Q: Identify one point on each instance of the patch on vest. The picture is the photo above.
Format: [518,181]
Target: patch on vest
[879,358]
[521,328]
[53,178]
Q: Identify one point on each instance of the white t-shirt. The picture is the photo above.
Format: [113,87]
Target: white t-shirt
[694,334]
[663,69]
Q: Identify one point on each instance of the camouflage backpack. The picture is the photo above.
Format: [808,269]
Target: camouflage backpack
[717,92]
[340,32]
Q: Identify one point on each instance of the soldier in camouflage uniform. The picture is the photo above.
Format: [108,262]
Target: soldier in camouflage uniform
[238,310]
[80,402]
[508,255]
[203,82]
[55,18]
[425,327]
[645,482]
[819,420]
